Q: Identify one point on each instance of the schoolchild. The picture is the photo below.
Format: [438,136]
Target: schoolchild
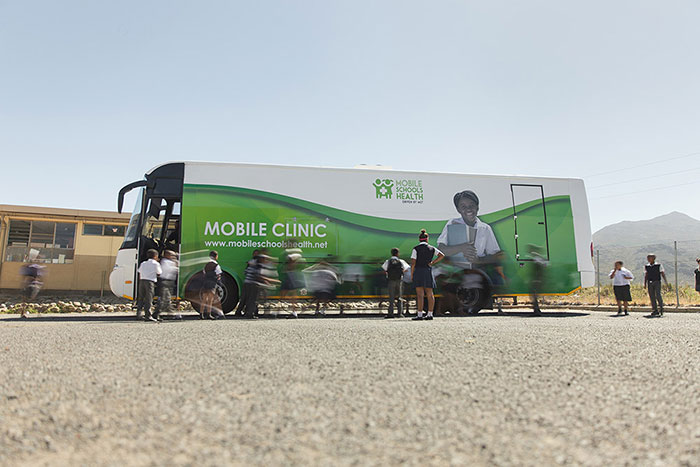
[423,257]
[621,277]
[242,300]
[653,273]
[323,284]
[166,282]
[256,279]
[292,278]
[31,284]
[395,267]
[148,271]
[212,275]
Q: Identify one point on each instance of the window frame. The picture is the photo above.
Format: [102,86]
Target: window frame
[51,252]
[104,228]
[86,224]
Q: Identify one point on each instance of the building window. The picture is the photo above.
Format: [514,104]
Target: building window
[115,230]
[92,229]
[40,241]
[104,230]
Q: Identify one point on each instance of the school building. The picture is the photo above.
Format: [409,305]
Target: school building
[77,247]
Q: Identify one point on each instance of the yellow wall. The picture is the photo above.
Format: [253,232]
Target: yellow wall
[93,261]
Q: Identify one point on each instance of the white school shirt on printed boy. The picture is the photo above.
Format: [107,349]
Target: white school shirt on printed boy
[619,278]
[485,242]
[150,270]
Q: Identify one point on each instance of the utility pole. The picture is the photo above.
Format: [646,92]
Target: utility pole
[675,256]
[597,270]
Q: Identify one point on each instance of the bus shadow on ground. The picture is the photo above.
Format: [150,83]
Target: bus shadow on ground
[102,318]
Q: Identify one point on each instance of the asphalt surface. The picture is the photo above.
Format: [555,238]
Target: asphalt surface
[566,388]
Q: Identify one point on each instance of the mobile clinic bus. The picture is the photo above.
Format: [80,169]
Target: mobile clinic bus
[351,218]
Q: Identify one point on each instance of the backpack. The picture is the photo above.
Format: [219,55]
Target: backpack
[394,269]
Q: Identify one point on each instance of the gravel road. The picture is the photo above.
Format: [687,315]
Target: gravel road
[566,388]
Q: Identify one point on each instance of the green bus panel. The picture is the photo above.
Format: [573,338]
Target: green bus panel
[235,221]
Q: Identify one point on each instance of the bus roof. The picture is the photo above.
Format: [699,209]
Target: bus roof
[376,168]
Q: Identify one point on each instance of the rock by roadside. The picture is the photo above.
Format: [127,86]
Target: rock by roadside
[86,304]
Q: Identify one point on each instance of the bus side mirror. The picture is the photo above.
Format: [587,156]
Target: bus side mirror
[125,190]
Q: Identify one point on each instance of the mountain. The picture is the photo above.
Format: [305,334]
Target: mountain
[672,226]
[631,241]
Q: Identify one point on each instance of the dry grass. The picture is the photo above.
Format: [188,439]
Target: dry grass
[589,296]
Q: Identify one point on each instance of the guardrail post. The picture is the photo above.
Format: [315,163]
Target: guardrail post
[102,284]
[597,272]
[675,260]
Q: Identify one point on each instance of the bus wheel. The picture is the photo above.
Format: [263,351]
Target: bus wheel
[228,293]
[475,292]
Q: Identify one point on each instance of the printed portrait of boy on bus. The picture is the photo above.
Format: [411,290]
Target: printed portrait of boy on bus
[467,241]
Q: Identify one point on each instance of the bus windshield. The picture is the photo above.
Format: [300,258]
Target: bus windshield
[132,232]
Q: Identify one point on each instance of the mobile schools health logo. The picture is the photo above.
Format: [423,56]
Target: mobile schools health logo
[404,190]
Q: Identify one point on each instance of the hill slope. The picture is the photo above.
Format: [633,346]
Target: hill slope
[631,241]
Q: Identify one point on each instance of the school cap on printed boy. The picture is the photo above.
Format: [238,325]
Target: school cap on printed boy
[465,194]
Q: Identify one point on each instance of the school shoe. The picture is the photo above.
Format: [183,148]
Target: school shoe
[428,318]
[655,313]
[417,318]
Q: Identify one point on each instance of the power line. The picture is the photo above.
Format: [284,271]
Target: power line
[650,189]
[614,246]
[643,165]
[644,178]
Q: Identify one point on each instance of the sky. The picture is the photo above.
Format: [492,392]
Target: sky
[93,94]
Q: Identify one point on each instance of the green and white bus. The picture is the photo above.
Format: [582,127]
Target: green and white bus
[495,227]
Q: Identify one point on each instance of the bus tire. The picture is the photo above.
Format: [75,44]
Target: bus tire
[228,293]
[475,292]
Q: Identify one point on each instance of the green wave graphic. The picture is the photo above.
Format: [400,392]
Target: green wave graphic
[384,224]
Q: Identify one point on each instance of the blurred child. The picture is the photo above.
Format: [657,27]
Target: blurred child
[32,281]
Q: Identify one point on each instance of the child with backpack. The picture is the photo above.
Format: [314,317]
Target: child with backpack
[394,268]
